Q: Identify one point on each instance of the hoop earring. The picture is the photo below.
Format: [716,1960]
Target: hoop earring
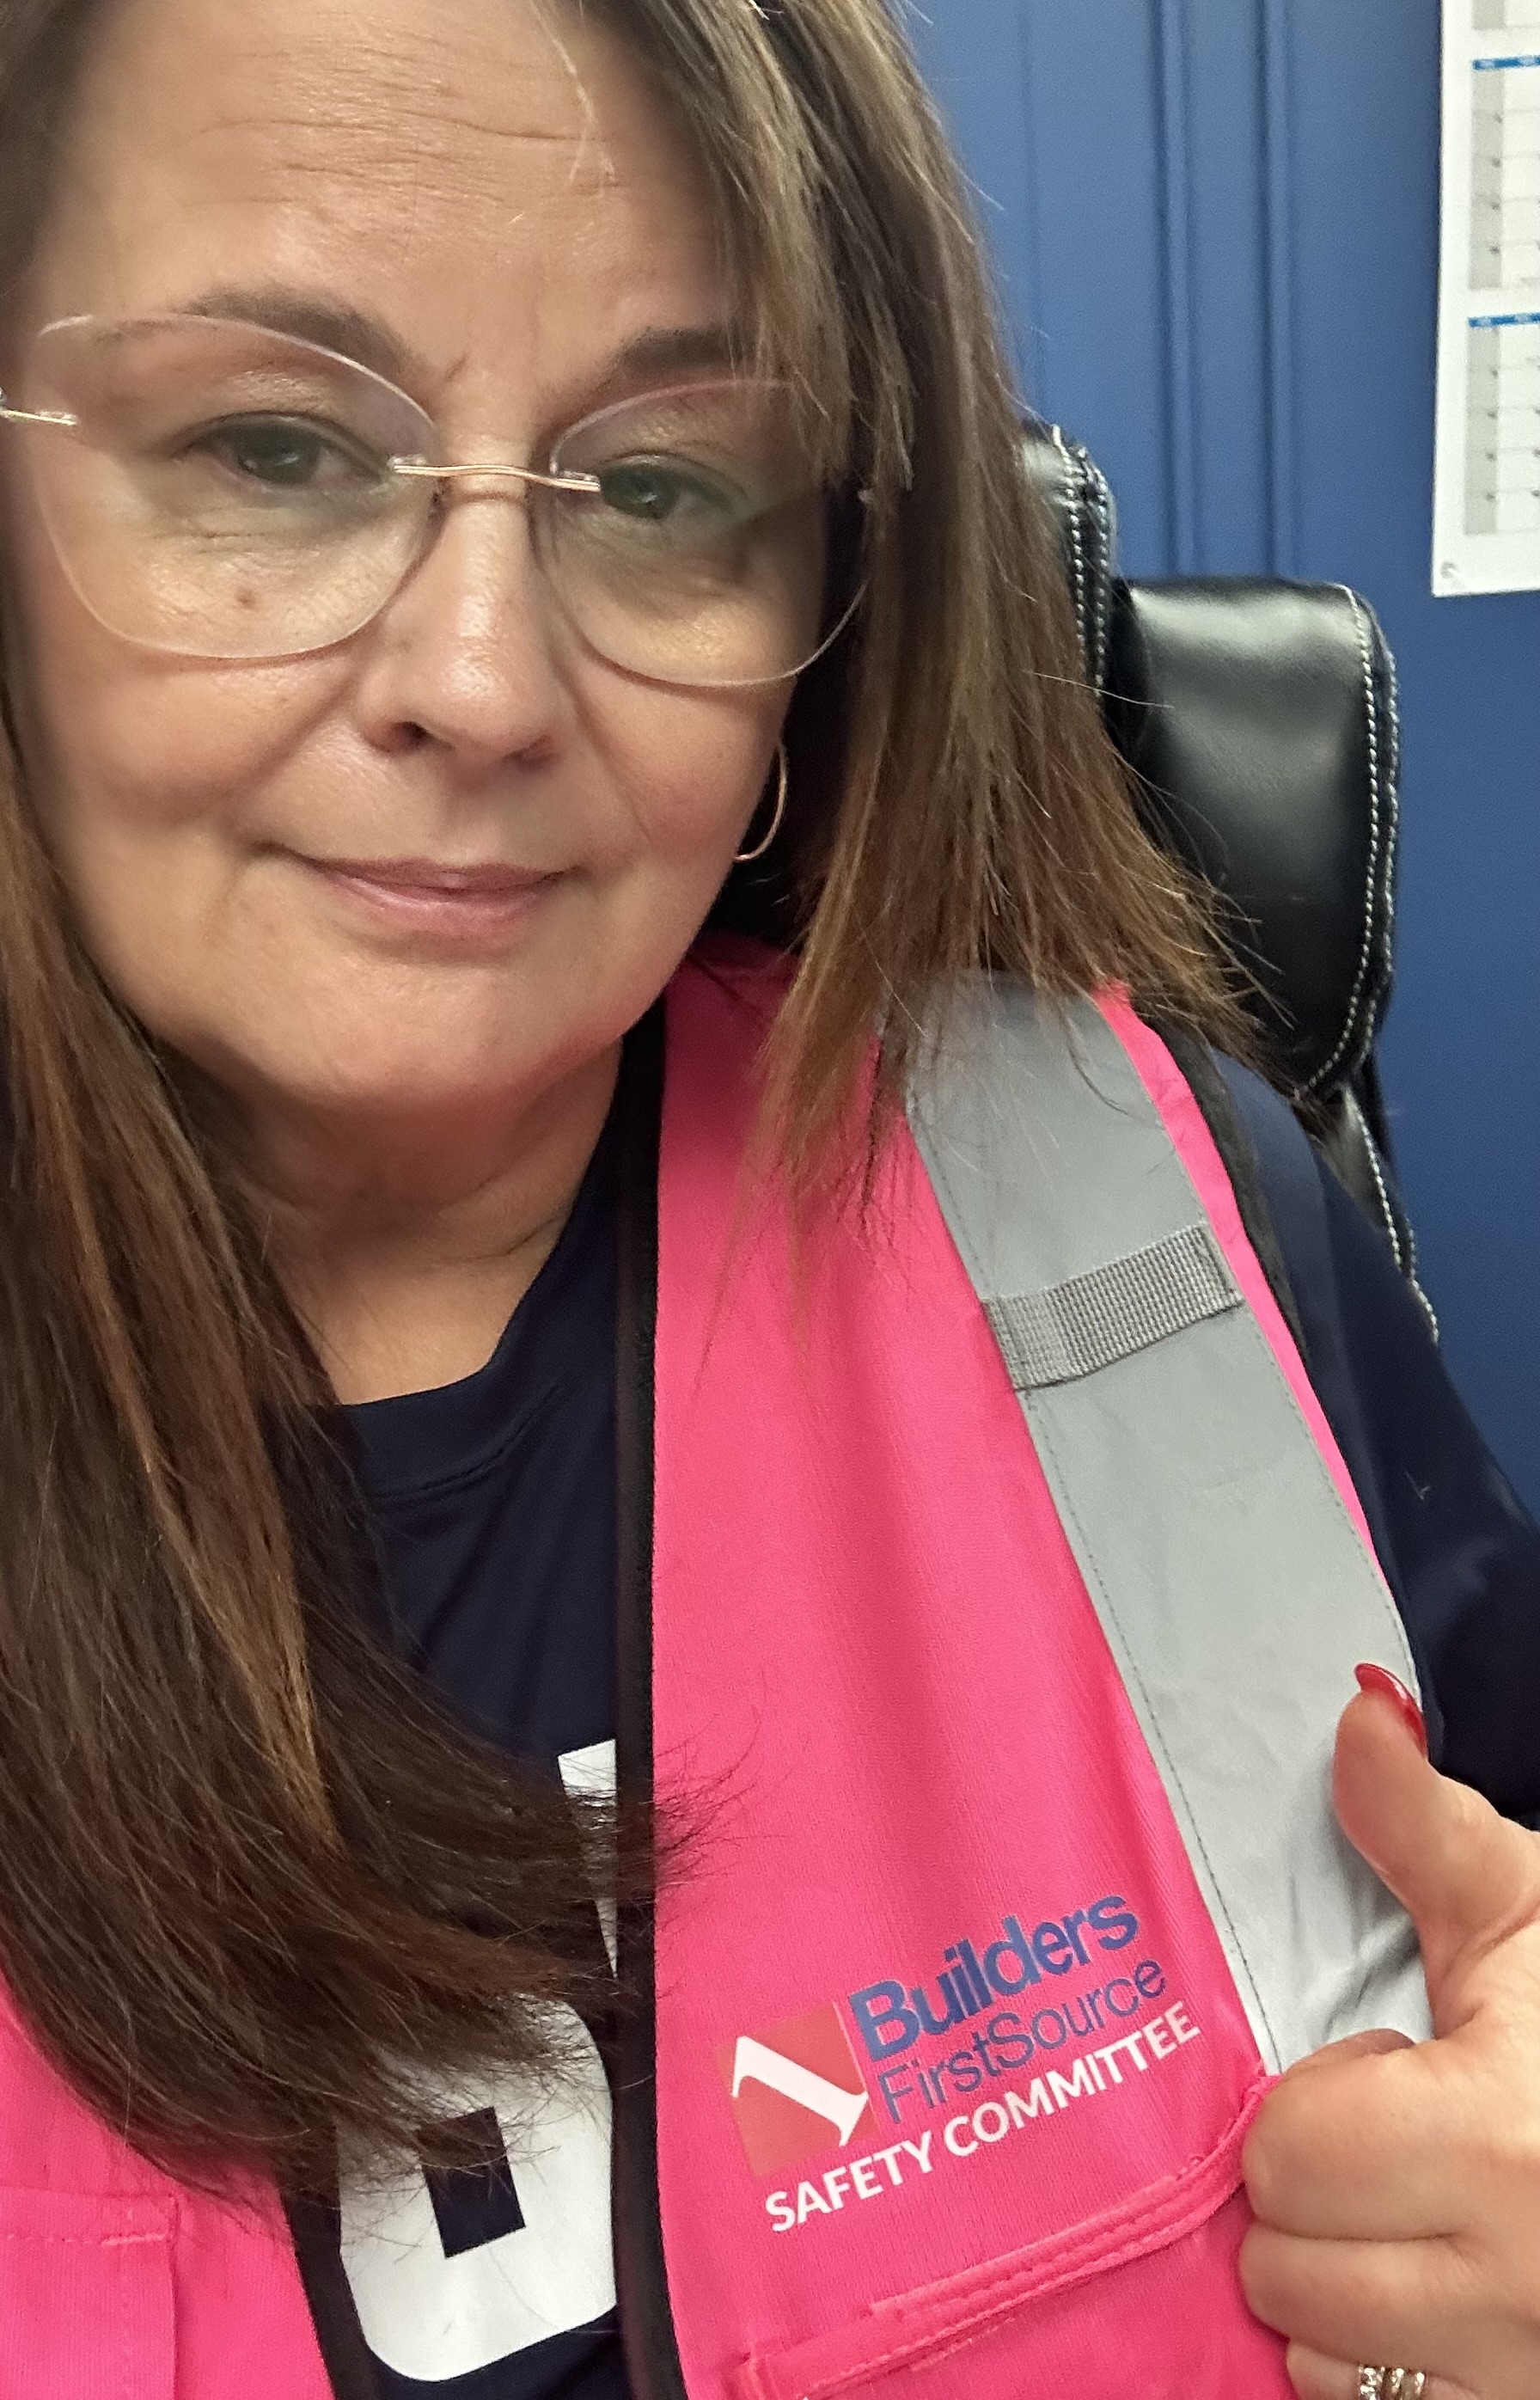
[747,857]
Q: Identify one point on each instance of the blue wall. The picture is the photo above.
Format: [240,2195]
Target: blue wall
[1216,224]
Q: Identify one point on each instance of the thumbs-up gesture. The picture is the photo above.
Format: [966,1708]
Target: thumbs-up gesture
[1396,2184]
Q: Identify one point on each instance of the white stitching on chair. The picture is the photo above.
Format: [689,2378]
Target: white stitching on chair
[1424,1304]
[1393,701]
[1386,1211]
[1405,1248]
[1101,506]
[1379,848]
[1077,553]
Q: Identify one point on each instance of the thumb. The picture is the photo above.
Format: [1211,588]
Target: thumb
[1468,1878]
[1379,2041]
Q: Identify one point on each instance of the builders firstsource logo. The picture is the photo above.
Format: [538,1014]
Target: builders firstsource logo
[857,2099]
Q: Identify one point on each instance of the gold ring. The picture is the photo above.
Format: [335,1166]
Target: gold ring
[1391,2384]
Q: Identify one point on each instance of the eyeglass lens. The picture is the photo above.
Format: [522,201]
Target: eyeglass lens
[231,492]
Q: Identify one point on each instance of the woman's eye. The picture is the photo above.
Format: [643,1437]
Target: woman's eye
[656,491]
[279,454]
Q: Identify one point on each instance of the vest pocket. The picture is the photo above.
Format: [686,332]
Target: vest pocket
[941,2321]
[86,2297]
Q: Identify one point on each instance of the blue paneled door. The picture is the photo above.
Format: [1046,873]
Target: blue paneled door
[1216,224]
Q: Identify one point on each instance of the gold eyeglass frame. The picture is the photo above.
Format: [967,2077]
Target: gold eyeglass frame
[412,467]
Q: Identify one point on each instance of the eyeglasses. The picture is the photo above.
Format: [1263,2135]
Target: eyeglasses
[217,490]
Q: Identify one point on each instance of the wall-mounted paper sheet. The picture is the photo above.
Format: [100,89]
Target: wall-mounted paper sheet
[1487,486]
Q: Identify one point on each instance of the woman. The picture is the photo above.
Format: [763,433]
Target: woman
[486,490]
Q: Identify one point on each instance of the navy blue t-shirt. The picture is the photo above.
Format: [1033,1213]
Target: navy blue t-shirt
[495,1499]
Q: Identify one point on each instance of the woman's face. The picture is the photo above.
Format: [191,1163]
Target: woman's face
[498,196]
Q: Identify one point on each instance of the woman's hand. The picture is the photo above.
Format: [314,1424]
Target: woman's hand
[1396,2185]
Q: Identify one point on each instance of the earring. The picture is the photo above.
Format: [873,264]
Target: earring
[747,857]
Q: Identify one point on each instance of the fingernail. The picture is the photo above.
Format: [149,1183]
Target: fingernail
[1390,1688]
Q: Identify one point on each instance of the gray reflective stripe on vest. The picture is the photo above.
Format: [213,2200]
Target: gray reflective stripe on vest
[1229,1580]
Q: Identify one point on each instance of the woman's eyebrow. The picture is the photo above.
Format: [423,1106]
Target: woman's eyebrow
[657,351]
[674,349]
[331,324]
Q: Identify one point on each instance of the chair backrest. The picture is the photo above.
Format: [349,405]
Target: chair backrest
[1260,720]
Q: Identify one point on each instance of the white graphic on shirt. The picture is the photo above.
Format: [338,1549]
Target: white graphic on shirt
[431,2310]
[591,1771]
[752,2063]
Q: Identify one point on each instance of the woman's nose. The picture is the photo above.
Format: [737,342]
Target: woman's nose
[467,652]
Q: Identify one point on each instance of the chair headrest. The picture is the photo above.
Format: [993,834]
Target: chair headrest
[1261,718]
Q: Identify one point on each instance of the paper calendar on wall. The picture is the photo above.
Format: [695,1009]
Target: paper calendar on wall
[1486,485]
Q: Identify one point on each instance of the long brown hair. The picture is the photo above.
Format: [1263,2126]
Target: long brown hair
[251,1886]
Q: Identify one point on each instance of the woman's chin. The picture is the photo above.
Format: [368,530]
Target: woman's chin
[444,1071]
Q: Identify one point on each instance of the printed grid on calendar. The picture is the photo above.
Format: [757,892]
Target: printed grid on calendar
[1487,503]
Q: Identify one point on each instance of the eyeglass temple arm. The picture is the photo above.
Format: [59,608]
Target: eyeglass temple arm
[430,473]
[13,416]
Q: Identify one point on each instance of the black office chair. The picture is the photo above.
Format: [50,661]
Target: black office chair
[1260,720]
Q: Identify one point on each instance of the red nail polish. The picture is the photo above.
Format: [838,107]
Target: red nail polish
[1390,1688]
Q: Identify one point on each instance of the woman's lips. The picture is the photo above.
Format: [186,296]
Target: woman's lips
[420,894]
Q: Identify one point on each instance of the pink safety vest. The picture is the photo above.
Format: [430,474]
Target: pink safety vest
[954,2053]
[953,2069]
